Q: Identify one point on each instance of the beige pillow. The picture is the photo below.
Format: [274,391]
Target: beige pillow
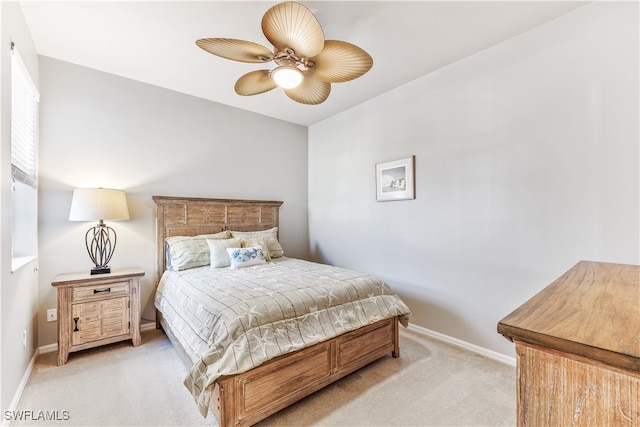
[260,242]
[184,252]
[271,235]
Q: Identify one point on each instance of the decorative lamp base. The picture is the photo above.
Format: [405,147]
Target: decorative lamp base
[101,270]
[100,241]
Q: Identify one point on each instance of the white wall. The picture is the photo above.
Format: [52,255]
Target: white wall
[101,130]
[18,290]
[527,162]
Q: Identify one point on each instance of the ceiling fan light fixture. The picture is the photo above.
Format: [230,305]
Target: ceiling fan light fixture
[287,76]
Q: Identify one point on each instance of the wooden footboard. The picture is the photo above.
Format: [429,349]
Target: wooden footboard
[245,399]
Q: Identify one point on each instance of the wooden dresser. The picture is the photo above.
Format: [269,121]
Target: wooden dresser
[97,309]
[578,349]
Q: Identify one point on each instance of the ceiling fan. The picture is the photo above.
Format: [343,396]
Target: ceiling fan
[307,64]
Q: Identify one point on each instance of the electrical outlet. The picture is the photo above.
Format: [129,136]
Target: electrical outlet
[52,315]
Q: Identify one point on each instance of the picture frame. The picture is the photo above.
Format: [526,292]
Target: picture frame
[395,180]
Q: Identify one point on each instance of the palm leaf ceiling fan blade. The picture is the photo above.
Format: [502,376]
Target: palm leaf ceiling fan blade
[236,50]
[299,51]
[340,61]
[254,83]
[291,25]
[310,91]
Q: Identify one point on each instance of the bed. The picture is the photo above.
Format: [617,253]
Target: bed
[279,349]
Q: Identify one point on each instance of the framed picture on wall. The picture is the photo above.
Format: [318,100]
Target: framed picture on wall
[396,180]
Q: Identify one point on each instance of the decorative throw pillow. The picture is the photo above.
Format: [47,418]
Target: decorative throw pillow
[184,252]
[244,257]
[271,235]
[218,251]
[260,242]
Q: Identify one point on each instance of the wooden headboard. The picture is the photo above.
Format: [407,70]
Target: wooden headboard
[191,216]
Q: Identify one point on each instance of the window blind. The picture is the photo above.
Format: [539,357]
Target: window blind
[24,122]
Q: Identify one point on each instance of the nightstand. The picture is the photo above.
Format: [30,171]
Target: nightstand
[98,309]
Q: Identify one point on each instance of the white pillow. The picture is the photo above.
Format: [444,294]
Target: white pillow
[184,252]
[271,235]
[244,257]
[218,251]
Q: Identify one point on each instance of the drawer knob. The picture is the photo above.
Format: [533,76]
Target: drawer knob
[75,319]
[95,291]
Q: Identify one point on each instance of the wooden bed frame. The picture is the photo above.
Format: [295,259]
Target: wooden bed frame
[249,397]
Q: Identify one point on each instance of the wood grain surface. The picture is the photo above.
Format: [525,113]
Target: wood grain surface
[578,349]
[593,310]
[557,389]
[106,306]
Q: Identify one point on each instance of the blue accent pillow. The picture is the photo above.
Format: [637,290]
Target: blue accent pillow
[244,257]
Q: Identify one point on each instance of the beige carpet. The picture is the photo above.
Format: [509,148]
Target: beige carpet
[431,384]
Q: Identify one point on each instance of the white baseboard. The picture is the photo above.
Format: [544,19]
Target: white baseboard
[49,348]
[23,383]
[465,345]
[149,326]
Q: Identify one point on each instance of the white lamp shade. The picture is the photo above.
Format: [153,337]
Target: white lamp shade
[95,204]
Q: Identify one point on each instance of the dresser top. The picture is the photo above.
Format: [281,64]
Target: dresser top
[116,273]
[593,310]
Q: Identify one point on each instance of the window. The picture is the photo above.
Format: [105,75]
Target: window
[24,169]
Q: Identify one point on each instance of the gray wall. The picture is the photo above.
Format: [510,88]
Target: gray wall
[526,162]
[100,130]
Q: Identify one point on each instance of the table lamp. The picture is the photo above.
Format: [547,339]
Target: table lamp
[99,204]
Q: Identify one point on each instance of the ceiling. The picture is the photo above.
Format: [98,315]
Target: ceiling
[154,42]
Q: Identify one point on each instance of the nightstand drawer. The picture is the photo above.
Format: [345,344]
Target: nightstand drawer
[86,293]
